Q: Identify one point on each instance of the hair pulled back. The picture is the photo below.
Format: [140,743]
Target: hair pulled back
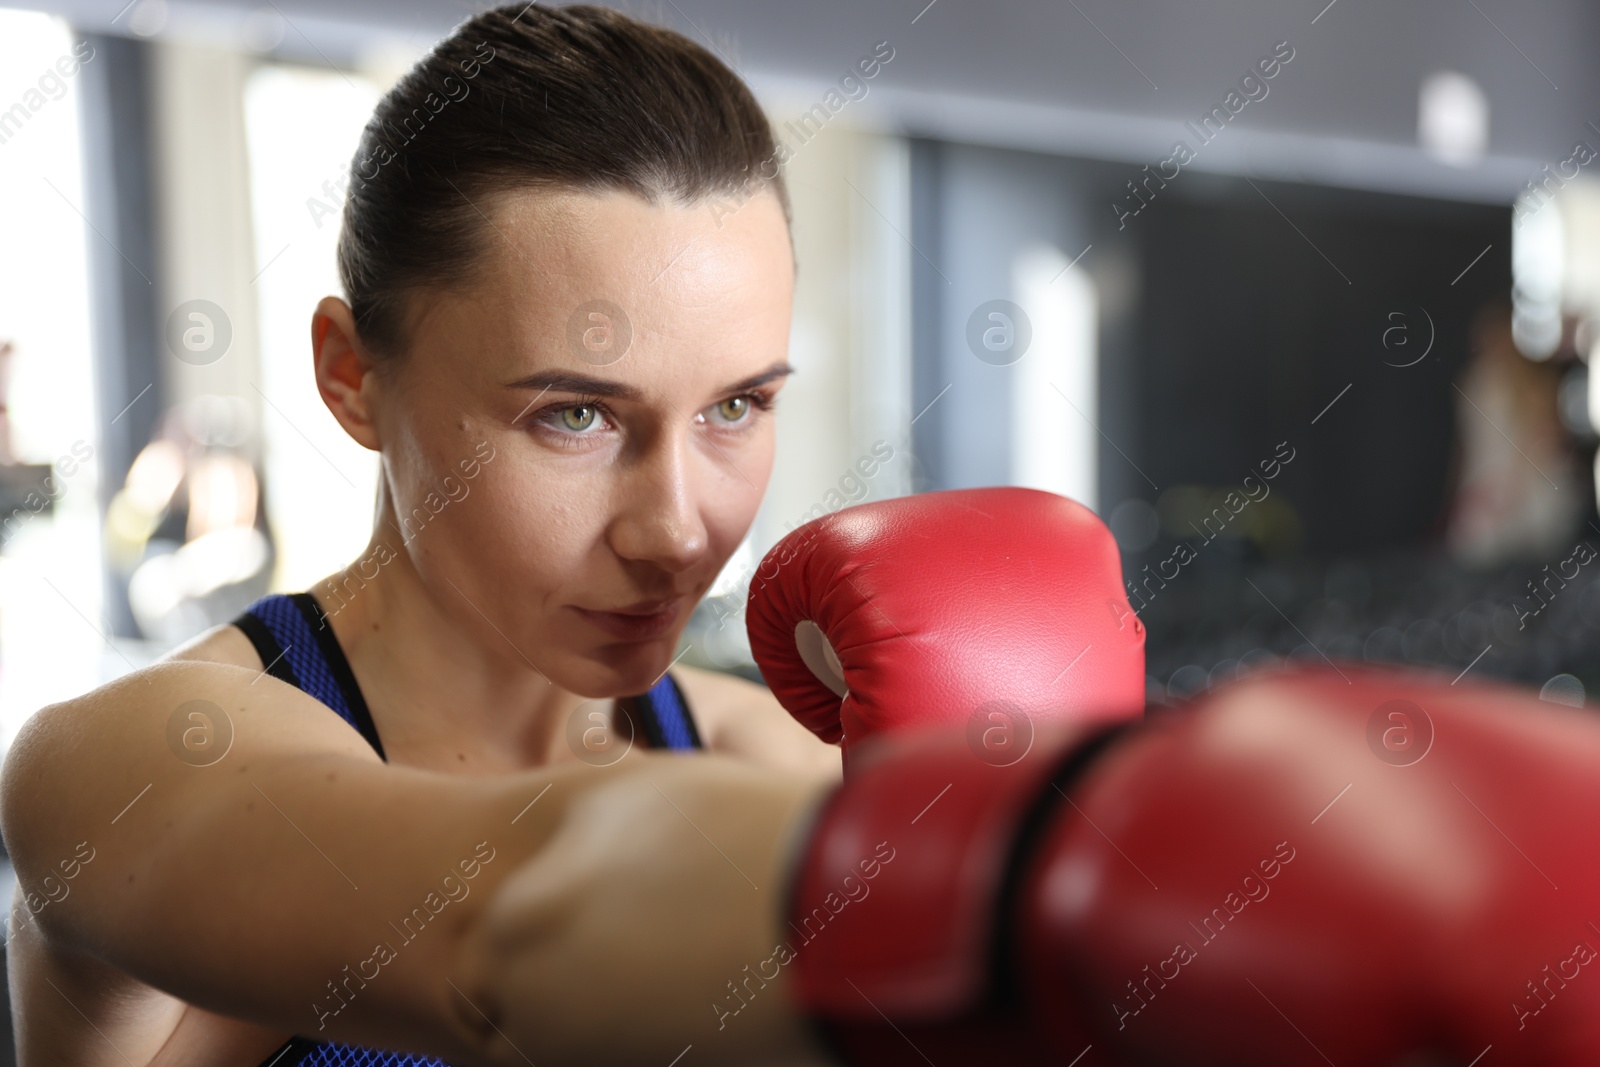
[582,98]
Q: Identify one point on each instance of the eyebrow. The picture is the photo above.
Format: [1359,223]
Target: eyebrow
[568,382]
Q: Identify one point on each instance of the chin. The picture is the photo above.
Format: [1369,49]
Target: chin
[621,668]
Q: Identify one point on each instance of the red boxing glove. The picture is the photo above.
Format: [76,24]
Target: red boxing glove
[988,608]
[1368,868]
[1300,869]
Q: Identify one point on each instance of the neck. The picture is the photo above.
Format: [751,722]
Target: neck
[438,697]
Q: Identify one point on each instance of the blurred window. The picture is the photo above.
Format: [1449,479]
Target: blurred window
[302,127]
[51,646]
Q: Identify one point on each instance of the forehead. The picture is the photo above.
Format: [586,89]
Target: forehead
[618,238]
[675,275]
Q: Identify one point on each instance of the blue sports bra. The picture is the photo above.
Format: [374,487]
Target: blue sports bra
[291,635]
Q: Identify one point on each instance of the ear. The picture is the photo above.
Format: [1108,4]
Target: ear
[344,370]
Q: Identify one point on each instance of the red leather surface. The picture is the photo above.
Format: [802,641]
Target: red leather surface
[943,604]
[1414,924]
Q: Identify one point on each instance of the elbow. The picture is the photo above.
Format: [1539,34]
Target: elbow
[26,785]
[20,767]
[43,861]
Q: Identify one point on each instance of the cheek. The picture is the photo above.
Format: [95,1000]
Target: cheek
[522,519]
[730,506]
[518,535]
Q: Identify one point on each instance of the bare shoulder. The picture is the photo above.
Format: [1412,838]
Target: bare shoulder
[225,643]
[86,743]
[117,740]
[744,719]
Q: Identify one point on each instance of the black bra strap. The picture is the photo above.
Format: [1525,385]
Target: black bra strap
[340,667]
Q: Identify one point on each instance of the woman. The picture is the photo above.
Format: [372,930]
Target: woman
[569,277]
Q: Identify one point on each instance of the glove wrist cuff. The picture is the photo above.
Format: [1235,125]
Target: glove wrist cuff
[901,902]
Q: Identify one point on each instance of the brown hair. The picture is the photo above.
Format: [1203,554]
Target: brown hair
[519,97]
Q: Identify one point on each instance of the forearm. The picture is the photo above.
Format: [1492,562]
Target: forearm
[321,895]
[652,922]
[300,883]
[358,935]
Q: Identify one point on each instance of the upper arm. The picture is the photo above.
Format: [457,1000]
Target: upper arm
[744,719]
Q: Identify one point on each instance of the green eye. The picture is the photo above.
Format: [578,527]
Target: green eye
[580,417]
[734,408]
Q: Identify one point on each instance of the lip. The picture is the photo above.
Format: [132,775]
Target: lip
[636,622]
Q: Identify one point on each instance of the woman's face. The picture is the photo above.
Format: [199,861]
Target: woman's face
[576,444]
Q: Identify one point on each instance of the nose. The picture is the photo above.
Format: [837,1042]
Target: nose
[658,520]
